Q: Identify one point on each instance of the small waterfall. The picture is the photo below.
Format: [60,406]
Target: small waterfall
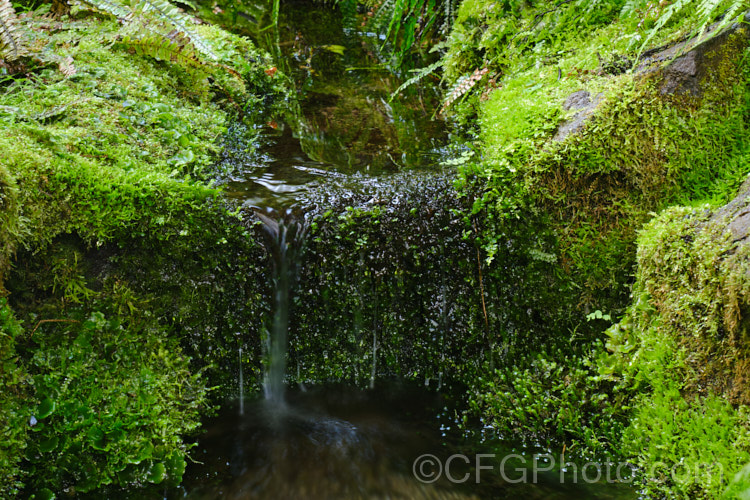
[242,387]
[285,238]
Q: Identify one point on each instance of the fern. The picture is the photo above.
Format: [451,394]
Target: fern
[462,87]
[418,76]
[159,29]
[110,7]
[149,38]
[11,39]
[701,12]
[171,15]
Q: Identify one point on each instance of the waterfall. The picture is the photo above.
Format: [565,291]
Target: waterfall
[285,238]
[242,385]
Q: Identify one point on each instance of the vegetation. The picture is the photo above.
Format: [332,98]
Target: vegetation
[537,278]
[108,151]
[637,149]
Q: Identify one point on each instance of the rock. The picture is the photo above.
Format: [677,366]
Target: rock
[735,215]
[683,74]
[582,101]
[577,100]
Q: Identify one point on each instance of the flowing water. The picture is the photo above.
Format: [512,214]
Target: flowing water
[348,124]
[333,441]
[285,241]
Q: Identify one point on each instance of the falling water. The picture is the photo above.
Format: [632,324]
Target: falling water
[242,385]
[285,238]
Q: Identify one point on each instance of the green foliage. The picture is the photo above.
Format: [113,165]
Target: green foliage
[14,404]
[408,23]
[107,207]
[400,296]
[639,153]
[677,357]
[551,397]
[114,401]
[739,487]
[695,13]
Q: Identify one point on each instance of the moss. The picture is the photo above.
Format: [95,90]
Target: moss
[680,353]
[10,222]
[114,398]
[109,222]
[641,150]
[14,404]
[573,208]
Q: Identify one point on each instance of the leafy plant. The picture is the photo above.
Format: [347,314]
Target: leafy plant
[113,401]
[699,13]
[406,23]
[13,403]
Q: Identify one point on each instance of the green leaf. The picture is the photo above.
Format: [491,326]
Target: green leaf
[49,444]
[43,494]
[157,473]
[97,438]
[45,409]
[336,49]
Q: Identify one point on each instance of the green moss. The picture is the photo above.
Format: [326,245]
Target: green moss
[681,356]
[114,402]
[573,207]
[14,404]
[110,225]
[551,398]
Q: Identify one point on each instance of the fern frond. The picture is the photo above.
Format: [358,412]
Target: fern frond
[707,12]
[666,15]
[11,38]
[463,86]
[163,43]
[170,14]
[419,74]
[111,7]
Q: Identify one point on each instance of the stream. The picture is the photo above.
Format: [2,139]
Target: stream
[395,439]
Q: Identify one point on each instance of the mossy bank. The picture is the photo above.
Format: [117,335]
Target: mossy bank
[581,135]
[118,255]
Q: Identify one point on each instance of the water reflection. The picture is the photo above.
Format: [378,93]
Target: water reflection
[341,443]
[346,122]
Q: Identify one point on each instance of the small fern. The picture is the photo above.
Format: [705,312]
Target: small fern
[162,10]
[462,87]
[150,39]
[111,7]
[701,12]
[419,74]
[11,39]
[159,29]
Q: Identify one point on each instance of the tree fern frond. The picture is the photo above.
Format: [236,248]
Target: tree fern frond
[11,39]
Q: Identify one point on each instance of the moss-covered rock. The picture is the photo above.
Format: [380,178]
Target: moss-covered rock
[118,254]
[681,350]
